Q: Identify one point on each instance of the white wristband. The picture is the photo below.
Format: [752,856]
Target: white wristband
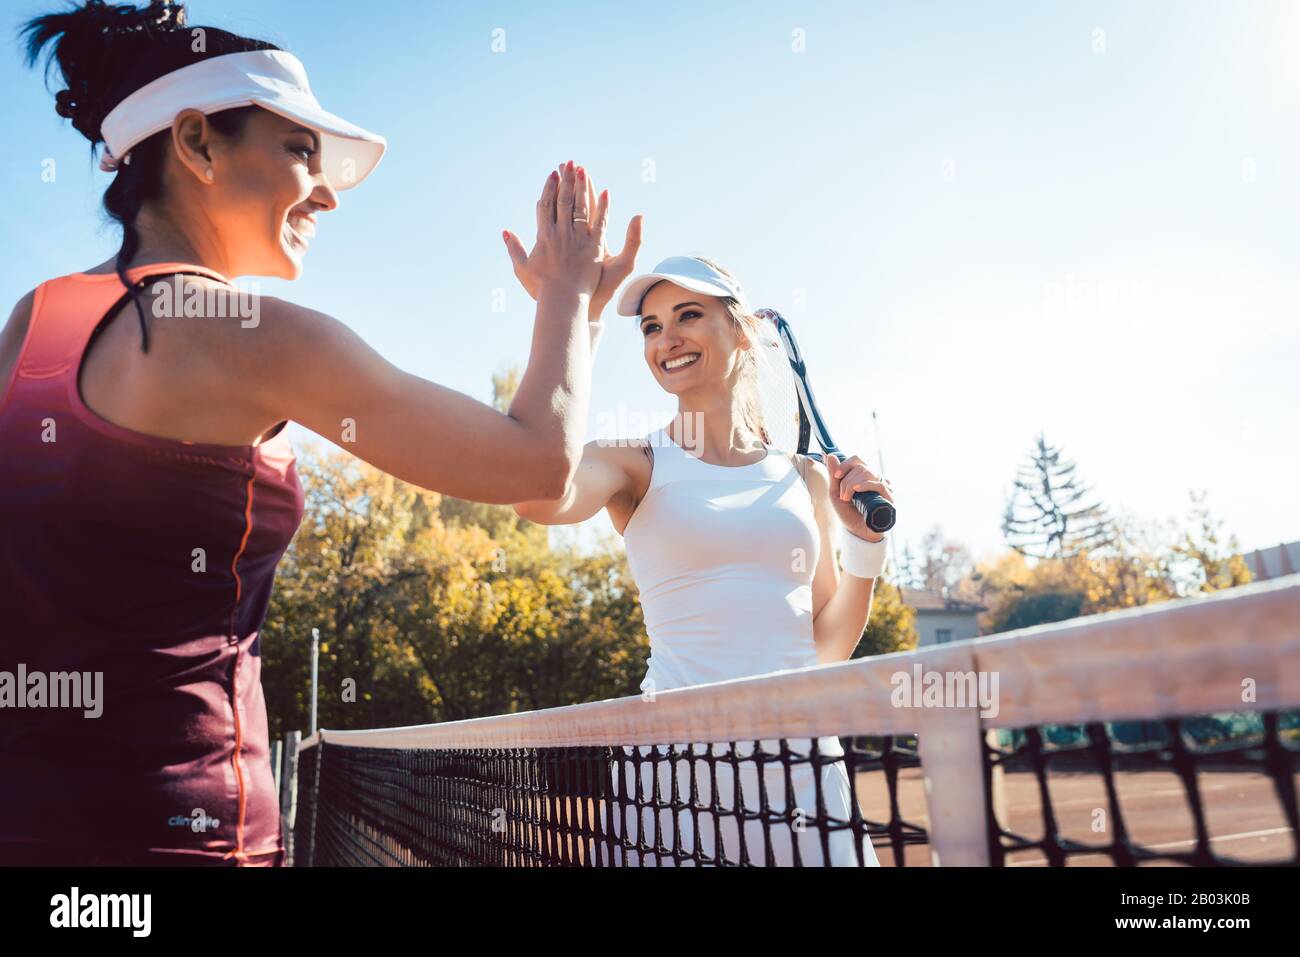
[596,329]
[861,558]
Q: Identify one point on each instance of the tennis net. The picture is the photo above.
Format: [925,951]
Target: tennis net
[1162,735]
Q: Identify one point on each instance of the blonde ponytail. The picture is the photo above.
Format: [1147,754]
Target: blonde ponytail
[751,406]
[747,392]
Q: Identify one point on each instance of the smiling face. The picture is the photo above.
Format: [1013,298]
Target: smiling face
[691,340]
[266,191]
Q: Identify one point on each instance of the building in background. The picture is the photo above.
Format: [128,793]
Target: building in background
[940,620]
[1266,563]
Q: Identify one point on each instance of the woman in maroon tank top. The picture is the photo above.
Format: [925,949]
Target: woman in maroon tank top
[147,486]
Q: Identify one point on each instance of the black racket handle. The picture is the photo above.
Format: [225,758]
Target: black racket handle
[876,510]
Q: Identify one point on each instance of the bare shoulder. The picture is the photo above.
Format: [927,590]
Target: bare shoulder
[818,479]
[291,318]
[201,326]
[19,317]
[816,475]
[24,305]
[13,335]
[292,341]
[633,459]
[297,334]
[314,368]
[207,337]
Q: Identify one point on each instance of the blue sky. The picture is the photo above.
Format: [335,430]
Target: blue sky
[997,218]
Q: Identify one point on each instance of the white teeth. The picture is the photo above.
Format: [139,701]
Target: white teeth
[302,235]
[681,361]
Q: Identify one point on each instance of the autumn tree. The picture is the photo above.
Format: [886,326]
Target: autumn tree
[1200,560]
[432,609]
[1144,563]
[892,625]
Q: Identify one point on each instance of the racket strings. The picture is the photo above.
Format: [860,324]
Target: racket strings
[775,393]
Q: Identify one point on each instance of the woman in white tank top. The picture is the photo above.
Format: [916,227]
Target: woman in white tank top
[712,532]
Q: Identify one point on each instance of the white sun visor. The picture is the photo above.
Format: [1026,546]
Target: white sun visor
[271,79]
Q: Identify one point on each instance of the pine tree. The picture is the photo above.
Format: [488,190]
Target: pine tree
[1046,517]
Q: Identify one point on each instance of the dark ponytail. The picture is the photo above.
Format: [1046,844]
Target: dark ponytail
[107,51]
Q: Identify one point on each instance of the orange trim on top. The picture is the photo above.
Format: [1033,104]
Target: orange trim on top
[243,544]
[238,852]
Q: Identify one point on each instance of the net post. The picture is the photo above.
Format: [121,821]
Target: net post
[995,779]
[950,743]
[951,760]
[277,765]
[313,798]
[287,781]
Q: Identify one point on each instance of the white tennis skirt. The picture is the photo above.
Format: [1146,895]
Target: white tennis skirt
[791,819]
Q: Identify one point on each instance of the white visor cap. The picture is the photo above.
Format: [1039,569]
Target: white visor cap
[271,79]
[685,271]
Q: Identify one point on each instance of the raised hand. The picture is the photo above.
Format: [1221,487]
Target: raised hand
[614,269]
[570,236]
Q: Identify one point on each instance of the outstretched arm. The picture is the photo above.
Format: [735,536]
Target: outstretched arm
[600,478]
[321,374]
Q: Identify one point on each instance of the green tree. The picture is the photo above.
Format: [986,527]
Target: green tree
[1200,560]
[892,625]
[1141,564]
[432,609]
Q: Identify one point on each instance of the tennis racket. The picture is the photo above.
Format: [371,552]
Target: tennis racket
[790,414]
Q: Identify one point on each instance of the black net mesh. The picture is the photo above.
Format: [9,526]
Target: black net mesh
[711,805]
[1205,791]
[1055,795]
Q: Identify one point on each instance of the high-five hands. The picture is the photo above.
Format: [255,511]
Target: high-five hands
[570,236]
[583,200]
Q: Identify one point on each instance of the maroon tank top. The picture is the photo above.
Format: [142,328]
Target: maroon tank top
[148,562]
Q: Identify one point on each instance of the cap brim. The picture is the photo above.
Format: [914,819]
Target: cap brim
[629,301]
[348,153]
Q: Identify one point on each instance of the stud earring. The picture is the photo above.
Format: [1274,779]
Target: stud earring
[209,175]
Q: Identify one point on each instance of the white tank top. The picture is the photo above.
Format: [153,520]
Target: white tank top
[724,559]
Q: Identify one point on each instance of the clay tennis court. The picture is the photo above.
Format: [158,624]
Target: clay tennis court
[1243,814]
